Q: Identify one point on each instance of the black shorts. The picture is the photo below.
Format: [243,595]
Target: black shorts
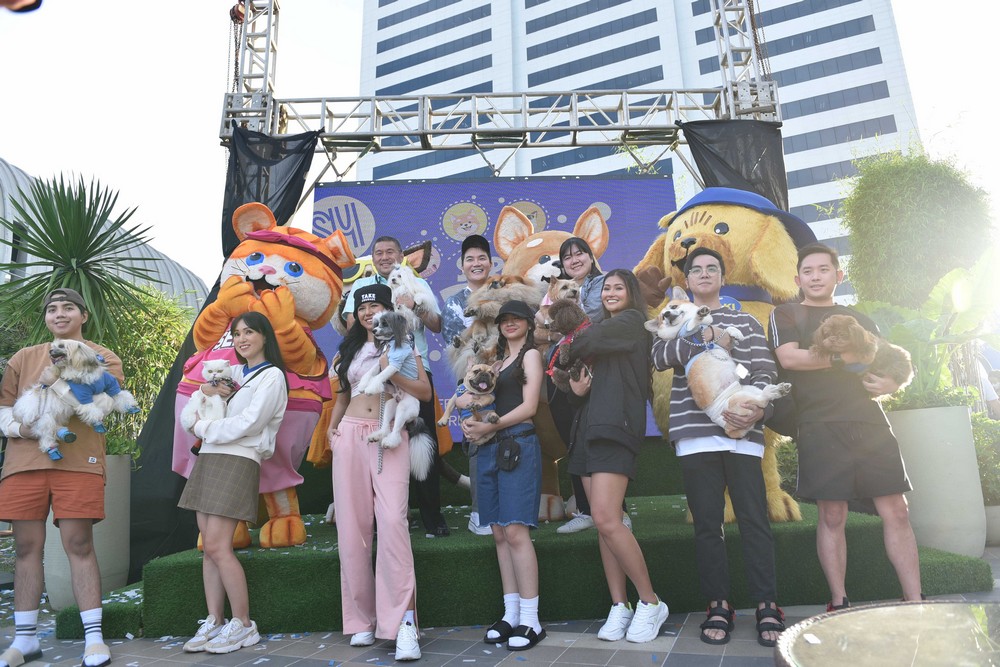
[601,455]
[849,461]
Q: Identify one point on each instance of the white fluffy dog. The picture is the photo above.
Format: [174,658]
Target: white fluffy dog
[403,282]
[712,375]
[200,406]
[76,383]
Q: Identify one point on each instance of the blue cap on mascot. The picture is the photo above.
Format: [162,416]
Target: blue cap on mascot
[800,232]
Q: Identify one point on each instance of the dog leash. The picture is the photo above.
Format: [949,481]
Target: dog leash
[381,416]
[566,340]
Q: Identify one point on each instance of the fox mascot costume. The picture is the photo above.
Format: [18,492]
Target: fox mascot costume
[295,279]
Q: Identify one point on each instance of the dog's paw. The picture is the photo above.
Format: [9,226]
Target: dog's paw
[493,418]
[735,333]
[392,440]
[442,422]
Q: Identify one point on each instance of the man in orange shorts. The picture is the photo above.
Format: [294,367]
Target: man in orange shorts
[73,486]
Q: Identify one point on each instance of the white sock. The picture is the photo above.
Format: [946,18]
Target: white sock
[408,616]
[511,613]
[92,634]
[529,613]
[25,631]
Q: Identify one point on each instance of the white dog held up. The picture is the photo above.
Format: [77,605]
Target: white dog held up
[200,406]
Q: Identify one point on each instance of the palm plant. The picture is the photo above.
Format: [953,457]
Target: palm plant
[71,239]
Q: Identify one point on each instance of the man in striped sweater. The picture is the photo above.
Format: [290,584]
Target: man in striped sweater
[710,461]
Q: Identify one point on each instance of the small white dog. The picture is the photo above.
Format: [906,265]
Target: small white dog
[200,406]
[391,330]
[78,384]
[403,282]
[713,376]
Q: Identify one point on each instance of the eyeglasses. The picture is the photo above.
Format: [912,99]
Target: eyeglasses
[710,270]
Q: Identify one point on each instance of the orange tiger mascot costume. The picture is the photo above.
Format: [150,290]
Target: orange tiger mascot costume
[295,279]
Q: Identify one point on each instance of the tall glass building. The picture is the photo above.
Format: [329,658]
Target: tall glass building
[841,81]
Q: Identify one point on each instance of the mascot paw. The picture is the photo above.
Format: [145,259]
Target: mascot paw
[283,531]
[278,306]
[653,285]
[551,508]
[235,297]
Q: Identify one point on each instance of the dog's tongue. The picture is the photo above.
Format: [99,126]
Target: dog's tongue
[482,386]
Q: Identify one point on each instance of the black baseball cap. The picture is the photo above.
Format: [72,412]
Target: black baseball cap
[478,242]
[516,308]
[376,292]
[65,294]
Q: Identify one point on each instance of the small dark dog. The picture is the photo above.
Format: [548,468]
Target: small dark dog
[842,333]
[568,318]
[474,398]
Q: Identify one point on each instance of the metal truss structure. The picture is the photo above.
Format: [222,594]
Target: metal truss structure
[490,121]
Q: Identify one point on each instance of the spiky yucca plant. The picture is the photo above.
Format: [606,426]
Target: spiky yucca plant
[71,239]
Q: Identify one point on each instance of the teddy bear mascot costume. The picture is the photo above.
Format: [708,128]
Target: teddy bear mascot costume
[759,245]
[295,279]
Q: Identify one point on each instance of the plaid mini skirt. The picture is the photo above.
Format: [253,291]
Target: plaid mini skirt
[224,485]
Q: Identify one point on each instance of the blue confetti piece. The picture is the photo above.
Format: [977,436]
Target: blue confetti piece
[656,660]
[521,658]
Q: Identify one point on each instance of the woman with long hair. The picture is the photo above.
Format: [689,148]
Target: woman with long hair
[371,485]
[608,429]
[509,476]
[224,483]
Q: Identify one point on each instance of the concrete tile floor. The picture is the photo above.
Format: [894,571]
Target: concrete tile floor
[568,643]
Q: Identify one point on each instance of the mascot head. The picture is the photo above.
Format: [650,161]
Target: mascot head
[757,241]
[271,256]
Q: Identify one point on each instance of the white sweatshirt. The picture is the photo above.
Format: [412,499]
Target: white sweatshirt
[253,416]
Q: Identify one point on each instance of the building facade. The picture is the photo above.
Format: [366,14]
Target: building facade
[841,82]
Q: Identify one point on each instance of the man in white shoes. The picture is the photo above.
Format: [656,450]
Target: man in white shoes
[477,264]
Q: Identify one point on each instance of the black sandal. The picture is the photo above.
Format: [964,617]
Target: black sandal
[525,632]
[769,619]
[504,628]
[719,618]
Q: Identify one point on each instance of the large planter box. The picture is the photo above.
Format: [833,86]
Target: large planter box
[946,503]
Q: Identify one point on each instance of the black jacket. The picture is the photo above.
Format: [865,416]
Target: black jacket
[617,350]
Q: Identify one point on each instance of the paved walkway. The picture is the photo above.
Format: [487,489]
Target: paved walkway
[568,643]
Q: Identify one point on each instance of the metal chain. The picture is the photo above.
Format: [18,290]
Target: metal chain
[381,415]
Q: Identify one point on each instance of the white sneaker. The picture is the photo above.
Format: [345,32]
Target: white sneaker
[576,524]
[362,639]
[646,622]
[627,520]
[618,619]
[208,629]
[407,646]
[233,636]
[475,528]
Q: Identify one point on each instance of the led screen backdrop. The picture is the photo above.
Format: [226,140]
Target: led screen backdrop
[446,211]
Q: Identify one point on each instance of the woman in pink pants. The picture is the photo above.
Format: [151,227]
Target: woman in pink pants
[371,485]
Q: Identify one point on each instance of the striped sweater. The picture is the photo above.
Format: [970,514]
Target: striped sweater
[687,420]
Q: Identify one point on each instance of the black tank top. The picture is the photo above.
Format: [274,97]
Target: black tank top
[510,391]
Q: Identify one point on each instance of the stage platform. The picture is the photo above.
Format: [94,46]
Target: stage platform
[298,589]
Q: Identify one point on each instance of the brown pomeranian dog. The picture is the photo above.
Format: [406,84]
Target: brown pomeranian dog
[842,333]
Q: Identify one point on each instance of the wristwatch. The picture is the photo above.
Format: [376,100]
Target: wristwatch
[836,361]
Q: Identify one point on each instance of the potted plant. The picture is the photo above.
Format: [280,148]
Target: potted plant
[931,417]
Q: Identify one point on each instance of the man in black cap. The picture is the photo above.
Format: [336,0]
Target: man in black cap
[73,487]
[476,266]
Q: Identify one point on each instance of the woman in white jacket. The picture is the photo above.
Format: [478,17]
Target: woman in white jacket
[223,485]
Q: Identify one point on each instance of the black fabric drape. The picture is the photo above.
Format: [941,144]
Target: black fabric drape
[741,154]
[266,169]
[271,170]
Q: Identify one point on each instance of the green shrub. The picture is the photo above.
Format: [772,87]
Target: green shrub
[986,435]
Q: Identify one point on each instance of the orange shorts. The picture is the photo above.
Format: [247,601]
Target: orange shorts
[27,496]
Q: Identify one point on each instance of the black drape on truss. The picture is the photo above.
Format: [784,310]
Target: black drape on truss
[741,154]
[271,170]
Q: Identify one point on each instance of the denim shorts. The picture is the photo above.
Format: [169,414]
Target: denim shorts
[510,497]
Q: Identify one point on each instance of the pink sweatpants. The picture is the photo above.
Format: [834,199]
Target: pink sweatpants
[362,495]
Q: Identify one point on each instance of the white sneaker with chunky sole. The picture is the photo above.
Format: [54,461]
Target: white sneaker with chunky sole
[407,646]
[208,630]
[646,622]
[617,624]
[233,636]
[362,639]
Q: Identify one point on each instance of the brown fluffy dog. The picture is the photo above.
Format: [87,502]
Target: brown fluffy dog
[567,318]
[842,333]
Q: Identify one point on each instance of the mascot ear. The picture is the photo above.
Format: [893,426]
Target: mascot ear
[512,228]
[666,220]
[592,228]
[340,249]
[252,217]
[772,260]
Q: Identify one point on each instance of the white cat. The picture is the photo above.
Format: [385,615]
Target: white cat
[200,406]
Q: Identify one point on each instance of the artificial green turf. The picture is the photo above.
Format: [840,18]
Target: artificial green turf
[298,589]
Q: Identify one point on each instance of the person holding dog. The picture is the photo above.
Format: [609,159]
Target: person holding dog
[371,485]
[224,483]
[509,476]
[476,266]
[846,448]
[72,487]
[386,254]
[711,461]
[608,428]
